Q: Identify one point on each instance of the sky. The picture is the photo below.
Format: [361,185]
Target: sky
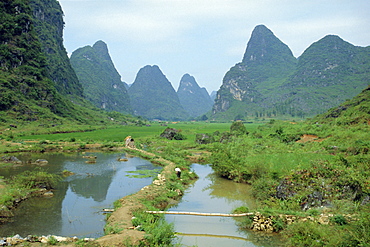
[204,38]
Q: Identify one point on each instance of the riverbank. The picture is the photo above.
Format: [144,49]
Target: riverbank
[121,229]
[159,194]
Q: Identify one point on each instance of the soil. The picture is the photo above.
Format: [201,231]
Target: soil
[309,138]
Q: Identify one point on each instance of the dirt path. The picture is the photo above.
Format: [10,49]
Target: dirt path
[122,217]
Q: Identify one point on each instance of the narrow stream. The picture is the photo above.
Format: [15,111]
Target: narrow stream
[77,204]
[212,194]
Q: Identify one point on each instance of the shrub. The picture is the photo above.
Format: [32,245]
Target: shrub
[238,128]
[339,219]
[241,210]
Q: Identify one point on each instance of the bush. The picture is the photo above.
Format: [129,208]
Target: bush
[238,128]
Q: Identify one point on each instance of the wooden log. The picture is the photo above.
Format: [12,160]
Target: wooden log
[199,214]
[211,235]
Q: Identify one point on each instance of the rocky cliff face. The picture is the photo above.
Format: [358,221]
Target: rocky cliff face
[101,81]
[153,96]
[49,24]
[270,81]
[194,99]
[266,60]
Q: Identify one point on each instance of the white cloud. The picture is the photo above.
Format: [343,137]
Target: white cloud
[205,36]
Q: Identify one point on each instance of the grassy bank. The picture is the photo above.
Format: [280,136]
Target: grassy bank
[305,170]
[300,169]
[130,225]
[22,186]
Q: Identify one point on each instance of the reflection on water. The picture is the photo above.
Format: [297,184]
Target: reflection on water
[211,194]
[76,208]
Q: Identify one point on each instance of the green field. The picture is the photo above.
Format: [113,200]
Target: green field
[118,134]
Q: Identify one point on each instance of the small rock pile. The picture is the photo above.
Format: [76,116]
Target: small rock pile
[262,223]
[160,181]
[266,223]
[17,239]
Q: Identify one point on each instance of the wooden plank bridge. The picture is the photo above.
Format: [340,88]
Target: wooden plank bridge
[199,214]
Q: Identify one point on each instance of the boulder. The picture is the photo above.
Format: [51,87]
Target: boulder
[169,133]
[41,162]
[11,159]
[204,139]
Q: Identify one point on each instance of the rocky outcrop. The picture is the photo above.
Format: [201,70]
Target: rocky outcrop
[204,138]
[10,159]
[276,223]
[171,133]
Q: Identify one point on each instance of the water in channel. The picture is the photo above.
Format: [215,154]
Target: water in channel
[212,194]
[77,204]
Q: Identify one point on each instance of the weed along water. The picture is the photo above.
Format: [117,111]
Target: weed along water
[76,209]
[211,194]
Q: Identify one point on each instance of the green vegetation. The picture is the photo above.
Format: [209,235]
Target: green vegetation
[23,186]
[143,173]
[37,83]
[195,100]
[326,173]
[48,23]
[270,82]
[101,82]
[158,231]
[152,96]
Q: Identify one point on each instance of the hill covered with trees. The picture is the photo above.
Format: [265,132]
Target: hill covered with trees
[37,82]
[101,82]
[195,100]
[153,96]
[271,82]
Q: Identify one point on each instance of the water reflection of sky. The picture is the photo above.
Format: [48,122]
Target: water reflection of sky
[76,208]
[210,194]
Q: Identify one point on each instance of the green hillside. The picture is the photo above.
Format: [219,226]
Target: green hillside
[30,72]
[353,111]
[26,90]
[101,82]
[194,99]
[153,96]
[49,24]
[270,82]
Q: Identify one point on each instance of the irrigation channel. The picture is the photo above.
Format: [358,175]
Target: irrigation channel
[212,194]
[76,209]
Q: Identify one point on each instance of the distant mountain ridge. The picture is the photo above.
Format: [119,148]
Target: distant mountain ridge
[194,99]
[271,82]
[101,82]
[37,82]
[152,96]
